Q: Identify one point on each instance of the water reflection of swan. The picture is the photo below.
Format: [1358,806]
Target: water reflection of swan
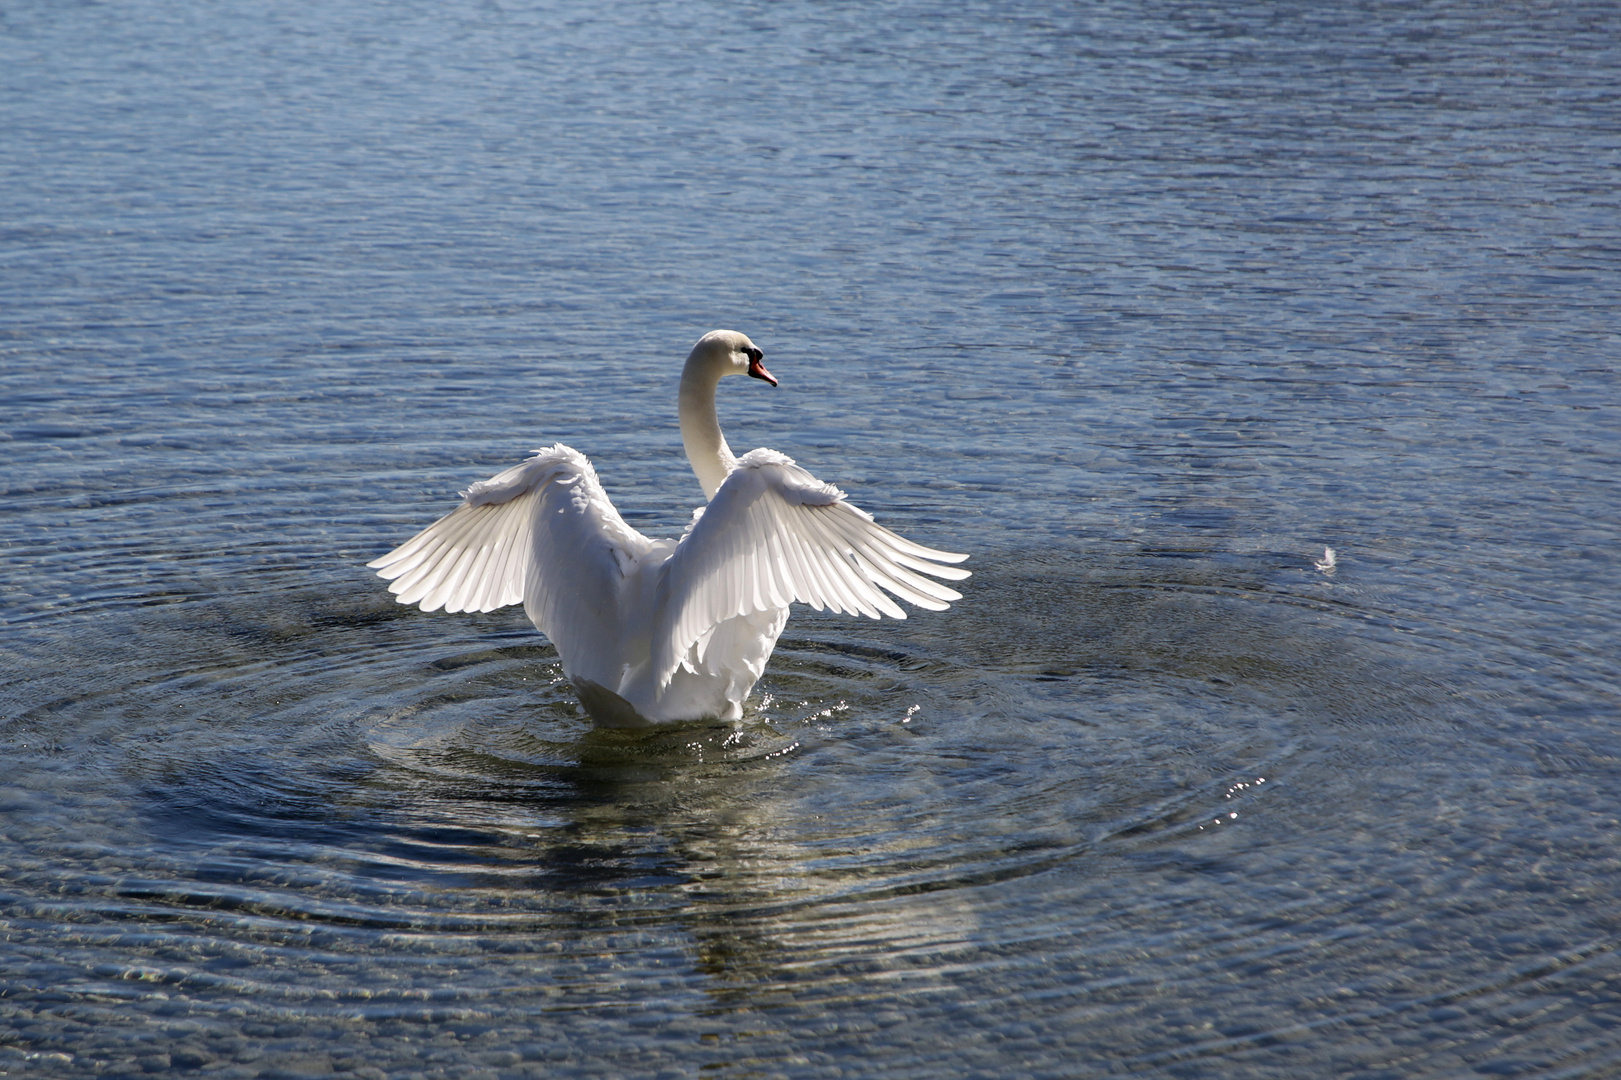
[658,630]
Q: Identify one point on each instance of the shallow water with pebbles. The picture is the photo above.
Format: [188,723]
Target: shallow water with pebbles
[1141,307]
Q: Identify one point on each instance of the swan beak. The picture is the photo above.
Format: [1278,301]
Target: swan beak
[757,371]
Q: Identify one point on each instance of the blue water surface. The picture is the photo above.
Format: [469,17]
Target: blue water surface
[1142,305]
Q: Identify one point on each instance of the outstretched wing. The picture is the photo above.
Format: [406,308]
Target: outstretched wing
[773,535]
[542,532]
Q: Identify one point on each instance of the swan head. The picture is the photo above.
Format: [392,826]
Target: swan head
[730,353]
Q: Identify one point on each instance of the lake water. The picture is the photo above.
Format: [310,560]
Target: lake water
[1144,305]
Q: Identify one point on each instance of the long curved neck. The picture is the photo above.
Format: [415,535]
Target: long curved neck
[706,447]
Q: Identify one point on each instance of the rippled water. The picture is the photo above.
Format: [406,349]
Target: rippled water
[1142,305]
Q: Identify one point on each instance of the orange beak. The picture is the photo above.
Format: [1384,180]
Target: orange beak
[757,371]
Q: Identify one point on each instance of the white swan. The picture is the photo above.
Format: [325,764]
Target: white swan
[655,631]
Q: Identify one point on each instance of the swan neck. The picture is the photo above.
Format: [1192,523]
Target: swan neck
[706,447]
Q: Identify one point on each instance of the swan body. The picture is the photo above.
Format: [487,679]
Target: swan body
[657,631]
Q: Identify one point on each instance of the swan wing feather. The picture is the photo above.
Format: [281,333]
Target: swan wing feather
[543,533]
[774,535]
